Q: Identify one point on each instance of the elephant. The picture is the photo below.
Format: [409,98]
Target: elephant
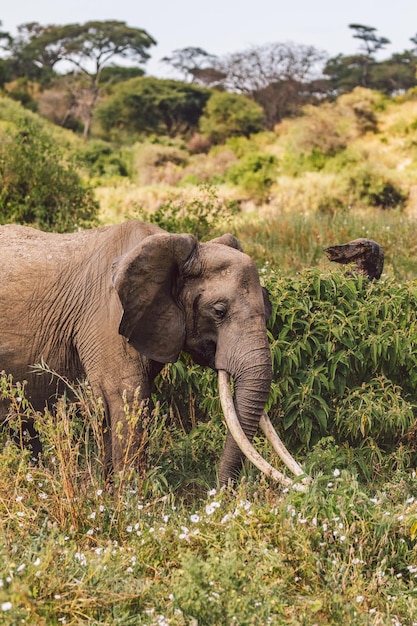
[113,304]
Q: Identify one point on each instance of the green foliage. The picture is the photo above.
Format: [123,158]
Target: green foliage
[230,114]
[151,105]
[37,186]
[101,159]
[323,133]
[204,217]
[75,548]
[255,173]
[344,358]
[374,187]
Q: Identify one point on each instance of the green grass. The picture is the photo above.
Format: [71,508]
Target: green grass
[290,242]
[170,548]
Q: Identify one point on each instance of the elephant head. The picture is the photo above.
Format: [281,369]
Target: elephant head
[204,299]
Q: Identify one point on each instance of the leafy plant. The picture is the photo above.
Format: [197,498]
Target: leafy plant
[203,217]
[344,358]
[375,188]
[101,159]
[230,114]
[255,173]
[37,186]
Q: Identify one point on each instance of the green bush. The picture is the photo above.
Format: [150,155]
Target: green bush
[255,173]
[206,217]
[37,186]
[344,358]
[369,185]
[228,115]
[101,159]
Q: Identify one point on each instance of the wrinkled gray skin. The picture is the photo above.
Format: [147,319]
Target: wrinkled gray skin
[114,304]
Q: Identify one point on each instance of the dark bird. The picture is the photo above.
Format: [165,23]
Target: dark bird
[365,253]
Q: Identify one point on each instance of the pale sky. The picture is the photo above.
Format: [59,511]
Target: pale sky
[223,26]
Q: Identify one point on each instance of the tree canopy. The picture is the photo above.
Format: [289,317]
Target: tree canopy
[64,72]
[153,105]
[230,114]
[88,48]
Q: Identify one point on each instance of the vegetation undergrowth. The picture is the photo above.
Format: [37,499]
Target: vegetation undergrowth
[76,550]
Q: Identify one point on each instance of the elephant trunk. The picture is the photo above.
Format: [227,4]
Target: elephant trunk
[252,382]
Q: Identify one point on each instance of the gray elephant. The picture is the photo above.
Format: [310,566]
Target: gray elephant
[113,304]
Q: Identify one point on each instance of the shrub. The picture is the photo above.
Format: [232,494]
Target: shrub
[344,358]
[37,186]
[157,163]
[205,217]
[228,115]
[255,173]
[374,187]
[101,159]
[323,132]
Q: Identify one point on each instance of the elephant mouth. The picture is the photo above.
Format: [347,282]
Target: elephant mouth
[204,355]
[249,450]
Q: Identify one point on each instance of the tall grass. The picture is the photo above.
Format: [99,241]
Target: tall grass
[141,554]
[292,241]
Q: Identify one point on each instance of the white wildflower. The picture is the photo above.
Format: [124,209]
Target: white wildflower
[80,556]
[184,534]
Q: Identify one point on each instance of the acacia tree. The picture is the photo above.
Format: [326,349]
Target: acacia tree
[371,43]
[88,48]
[153,105]
[196,65]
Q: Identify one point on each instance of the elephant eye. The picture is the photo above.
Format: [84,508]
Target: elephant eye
[220,311]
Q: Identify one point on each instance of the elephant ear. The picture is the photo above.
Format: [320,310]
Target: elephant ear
[227,240]
[145,279]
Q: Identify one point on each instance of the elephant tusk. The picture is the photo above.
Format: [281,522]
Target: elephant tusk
[239,436]
[285,456]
